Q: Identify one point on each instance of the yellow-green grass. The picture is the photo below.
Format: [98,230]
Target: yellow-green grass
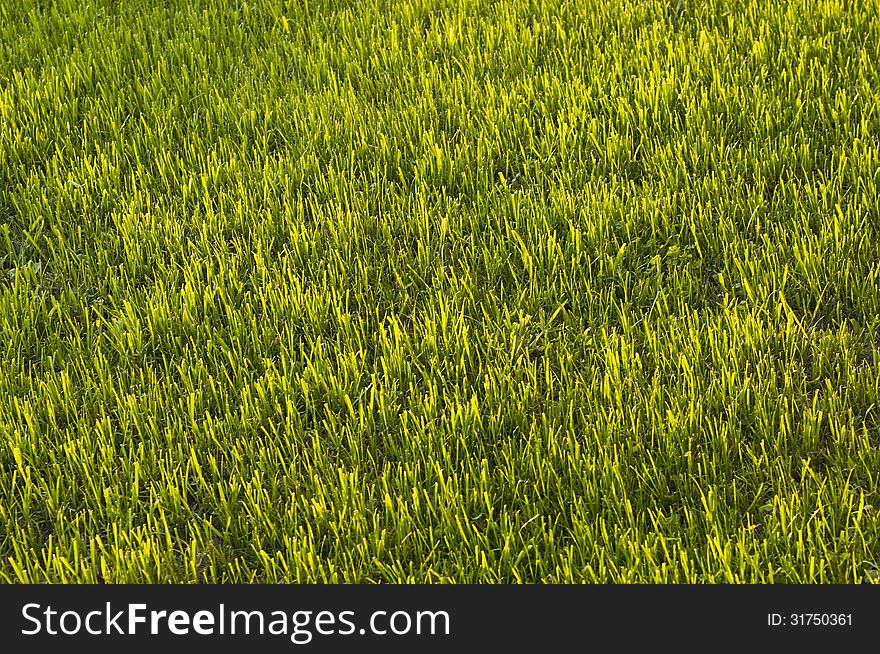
[439,291]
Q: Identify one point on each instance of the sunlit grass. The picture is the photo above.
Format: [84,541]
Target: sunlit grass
[426,290]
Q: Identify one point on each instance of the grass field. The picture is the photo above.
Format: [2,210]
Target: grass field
[439,290]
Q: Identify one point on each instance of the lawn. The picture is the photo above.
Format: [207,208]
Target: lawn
[439,291]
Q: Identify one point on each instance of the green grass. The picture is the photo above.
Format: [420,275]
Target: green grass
[439,290]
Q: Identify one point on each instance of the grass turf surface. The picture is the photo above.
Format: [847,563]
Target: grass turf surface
[439,291]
